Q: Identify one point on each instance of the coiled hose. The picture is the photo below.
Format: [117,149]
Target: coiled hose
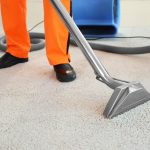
[38,43]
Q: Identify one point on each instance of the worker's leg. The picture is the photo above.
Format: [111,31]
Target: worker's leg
[57,42]
[57,36]
[14,23]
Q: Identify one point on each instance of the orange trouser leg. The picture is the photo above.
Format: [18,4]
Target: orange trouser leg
[14,23]
[56,34]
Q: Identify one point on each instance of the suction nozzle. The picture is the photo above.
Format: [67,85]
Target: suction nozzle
[126,97]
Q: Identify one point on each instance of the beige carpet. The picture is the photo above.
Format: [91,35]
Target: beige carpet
[39,113]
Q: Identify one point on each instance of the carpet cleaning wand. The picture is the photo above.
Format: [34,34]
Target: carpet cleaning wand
[126,95]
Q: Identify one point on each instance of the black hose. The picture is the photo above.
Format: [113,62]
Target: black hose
[38,43]
[116,49]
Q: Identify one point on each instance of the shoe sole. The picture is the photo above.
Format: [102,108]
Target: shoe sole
[22,61]
[61,79]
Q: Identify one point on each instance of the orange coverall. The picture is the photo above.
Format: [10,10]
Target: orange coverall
[18,41]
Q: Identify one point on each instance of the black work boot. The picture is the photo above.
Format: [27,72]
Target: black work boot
[7,60]
[65,72]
